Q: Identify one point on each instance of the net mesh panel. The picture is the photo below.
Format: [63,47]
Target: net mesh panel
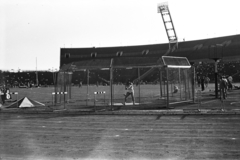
[64,81]
[146,84]
[148,75]
[180,84]
[120,77]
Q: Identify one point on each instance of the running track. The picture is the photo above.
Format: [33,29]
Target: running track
[67,137]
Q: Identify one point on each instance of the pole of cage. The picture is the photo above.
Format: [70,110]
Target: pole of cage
[167,87]
[87,87]
[188,86]
[111,87]
[193,85]
[160,83]
[104,100]
[94,102]
[67,85]
[185,83]
[55,90]
[139,88]
[216,77]
[64,89]
[53,95]
[179,79]
[59,87]
[70,85]
[164,88]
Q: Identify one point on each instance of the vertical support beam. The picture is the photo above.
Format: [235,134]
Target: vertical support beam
[111,80]
[167,88]
[87,87]
[160,82]
[16,96]
[111,88]
[179,79]
[216,78]
[189,74]
[113,85]
[37,83]
[55,86]
[70,85]
[53,94]
[104,98]
[185,83]
[139,88]
[64,89]
[194,82]
[61,87]
[164,88]
[94,102]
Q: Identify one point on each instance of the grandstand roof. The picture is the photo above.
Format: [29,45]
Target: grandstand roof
[197,50]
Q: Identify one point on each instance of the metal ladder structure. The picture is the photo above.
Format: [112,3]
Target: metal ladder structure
[170,30]
[168,24]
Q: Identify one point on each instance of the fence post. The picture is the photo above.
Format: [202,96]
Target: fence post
[167,87]
[95,101]
[53,93]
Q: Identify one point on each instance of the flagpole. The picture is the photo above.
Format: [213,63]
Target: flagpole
[36,74]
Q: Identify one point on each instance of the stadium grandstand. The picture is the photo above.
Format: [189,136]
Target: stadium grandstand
[200,53]
[27,78]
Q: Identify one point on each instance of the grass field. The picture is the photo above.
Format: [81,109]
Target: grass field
[149,95]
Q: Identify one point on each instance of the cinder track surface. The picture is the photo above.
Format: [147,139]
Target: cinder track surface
[66,137]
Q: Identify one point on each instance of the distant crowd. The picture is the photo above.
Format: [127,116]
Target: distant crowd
[204,72]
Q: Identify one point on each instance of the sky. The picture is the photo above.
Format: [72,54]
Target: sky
[33,31]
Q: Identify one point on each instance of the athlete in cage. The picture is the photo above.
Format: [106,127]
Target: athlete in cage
[175,89]
[129,91]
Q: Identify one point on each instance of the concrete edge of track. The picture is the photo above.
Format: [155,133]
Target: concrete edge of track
[125,112]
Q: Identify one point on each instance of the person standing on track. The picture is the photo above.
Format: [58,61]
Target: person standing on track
[202,83]
[80,84]
[230,80]
[1,95]
[3,91]
[223,87]
[207,80]
[129,91]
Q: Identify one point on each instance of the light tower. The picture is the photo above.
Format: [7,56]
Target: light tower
[168,24]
